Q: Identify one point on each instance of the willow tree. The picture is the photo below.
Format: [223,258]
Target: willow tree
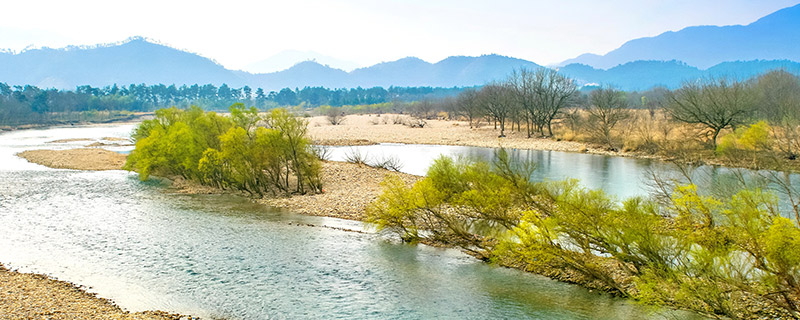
[248,152]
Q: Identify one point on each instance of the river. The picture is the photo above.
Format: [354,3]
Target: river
[221,256]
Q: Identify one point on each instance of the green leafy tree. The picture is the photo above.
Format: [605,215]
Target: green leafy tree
[228,152]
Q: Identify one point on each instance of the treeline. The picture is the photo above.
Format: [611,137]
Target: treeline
[257,154]
[688,121]
[733,254]
[30,104]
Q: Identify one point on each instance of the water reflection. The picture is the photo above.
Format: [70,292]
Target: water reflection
[623,177]
[619,176]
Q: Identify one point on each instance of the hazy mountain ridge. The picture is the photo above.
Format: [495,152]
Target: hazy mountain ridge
[138,60]
[134,61]
[642,75]
[287,58]
[773,37]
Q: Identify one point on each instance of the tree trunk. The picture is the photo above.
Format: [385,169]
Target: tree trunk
[714,138]
[528,127]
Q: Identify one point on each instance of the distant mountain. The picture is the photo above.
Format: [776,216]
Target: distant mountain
[288,58]
[450,72]
[773,37]
[642,75]
[478,70]
[303,74]
[141,61]
[135,60]
[138,60]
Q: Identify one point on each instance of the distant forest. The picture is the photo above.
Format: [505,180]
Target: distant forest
[30,104]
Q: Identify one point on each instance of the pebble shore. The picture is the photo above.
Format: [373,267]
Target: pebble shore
[78,159]
[36,296]
[349,189]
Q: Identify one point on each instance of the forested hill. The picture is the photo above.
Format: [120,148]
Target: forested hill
[139,61]
[773,37]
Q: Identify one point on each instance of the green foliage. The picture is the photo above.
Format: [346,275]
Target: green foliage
[460,202]
[734,256]
[755,137]
[228,152]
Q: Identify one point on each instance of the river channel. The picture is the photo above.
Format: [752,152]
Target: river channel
[220,256]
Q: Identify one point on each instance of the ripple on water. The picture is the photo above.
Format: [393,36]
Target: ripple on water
[218,255]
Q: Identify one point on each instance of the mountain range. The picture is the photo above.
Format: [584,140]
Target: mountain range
[773,37]
[288,58]
[665,60]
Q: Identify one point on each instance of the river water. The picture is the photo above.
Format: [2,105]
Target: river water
[620,177]
[221,256]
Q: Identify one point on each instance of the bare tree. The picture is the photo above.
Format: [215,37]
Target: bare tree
[424,109]
[335,116]
[606,109]
[779,102]
[554,92]
[542,93]
[717,104]
[522,83]
[497,102]
[469,106]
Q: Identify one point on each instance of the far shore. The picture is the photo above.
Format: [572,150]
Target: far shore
[135,117]
[375,128]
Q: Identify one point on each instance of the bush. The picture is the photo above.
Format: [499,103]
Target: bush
[734,256]
[755,137]
[245,151]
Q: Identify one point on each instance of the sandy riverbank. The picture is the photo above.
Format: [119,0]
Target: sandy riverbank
[379,129]
[79,159]
[349,189]
[35,296]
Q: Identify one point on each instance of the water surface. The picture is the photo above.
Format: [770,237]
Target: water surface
[146,247]
[621,177]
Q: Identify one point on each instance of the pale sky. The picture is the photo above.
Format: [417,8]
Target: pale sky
[236,33]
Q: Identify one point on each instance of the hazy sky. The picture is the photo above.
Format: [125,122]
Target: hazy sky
[236,33]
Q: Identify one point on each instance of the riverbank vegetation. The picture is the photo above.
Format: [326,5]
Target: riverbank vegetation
[686,123]
[246,151]
[731,254]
